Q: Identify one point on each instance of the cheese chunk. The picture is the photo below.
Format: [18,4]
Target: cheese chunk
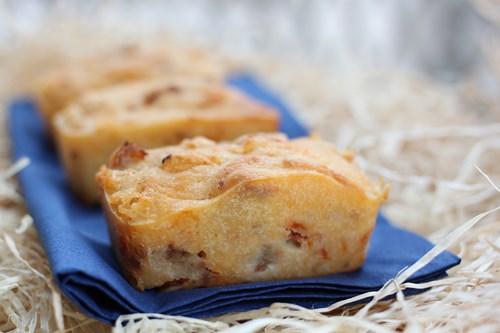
[262,207]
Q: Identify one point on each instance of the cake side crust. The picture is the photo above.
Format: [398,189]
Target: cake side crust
[298,225]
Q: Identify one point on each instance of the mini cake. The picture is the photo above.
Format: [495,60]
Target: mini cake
[151,113]
[263,207]
[59,87]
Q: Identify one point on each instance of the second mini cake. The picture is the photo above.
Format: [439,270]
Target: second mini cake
[150,113]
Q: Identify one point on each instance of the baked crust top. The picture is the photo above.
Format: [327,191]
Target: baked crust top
[146,101]
[142,186]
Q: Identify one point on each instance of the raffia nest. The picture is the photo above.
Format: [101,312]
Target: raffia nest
[439,147]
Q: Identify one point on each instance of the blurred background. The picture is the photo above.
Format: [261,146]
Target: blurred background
[443,39]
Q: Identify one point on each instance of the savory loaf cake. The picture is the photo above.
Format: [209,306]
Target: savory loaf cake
[58,87]
[152,113]
[260,208]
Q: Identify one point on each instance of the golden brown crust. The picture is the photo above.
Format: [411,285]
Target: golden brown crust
[132,103]
[240,211]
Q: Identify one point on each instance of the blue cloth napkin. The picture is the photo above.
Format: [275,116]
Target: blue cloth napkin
[76,240]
